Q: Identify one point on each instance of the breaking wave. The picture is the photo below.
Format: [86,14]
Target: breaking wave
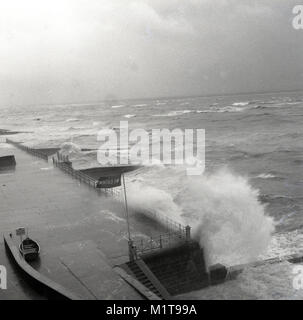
[72,120]
[174,113]
[140,105]
[241,104]
[118,106]
[266,176]
[227,218]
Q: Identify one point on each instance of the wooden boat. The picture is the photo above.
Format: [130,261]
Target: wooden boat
[30,249]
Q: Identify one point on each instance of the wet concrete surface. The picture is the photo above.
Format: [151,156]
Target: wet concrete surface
[81,234]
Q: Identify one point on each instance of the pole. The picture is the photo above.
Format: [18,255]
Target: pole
[126,207]
[131,249]
[187,233]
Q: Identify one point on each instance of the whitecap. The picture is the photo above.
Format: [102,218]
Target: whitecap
[140,105]
[118,106]
[222,109]
[174,113]
[266,176]
[128,116]
[241,104]
[204,111]
[231,109]
[72,120]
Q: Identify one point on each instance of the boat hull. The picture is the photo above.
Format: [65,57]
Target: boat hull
[29,249]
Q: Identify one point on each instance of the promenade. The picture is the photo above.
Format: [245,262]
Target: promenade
[82,233]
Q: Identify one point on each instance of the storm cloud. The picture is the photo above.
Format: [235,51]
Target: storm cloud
[75,51]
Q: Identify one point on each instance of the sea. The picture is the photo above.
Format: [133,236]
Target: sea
[246,206]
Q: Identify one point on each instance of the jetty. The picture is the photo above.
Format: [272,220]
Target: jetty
[165,262]
[45,286]
[90,242]
[80,242]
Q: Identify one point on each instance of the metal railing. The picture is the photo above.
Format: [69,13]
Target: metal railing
[169,224]
[175,231]
[82,177]
[32,151]
[62,162]
[161,241]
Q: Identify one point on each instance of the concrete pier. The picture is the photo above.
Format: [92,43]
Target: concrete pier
[43,285]
[82,235]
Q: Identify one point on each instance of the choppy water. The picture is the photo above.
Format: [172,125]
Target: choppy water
[249,202]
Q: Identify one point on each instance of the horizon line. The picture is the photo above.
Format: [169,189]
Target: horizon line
[162,97]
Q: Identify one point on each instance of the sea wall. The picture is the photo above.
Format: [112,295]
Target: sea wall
[179,269]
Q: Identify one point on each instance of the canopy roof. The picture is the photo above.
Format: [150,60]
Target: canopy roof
[97,173]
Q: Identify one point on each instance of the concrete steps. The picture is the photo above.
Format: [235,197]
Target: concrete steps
[139,275]
[181,269]
[171,271]
[141,272]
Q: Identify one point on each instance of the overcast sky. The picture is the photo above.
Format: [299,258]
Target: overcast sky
[54,51]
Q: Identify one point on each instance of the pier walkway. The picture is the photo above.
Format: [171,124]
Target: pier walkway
[173,232]
[82,234]
[157,233]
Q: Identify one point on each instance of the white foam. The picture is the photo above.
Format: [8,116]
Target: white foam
[174,113]
[283,244]
[241,104]
[72,120]
[268,282]
[231,109]
[228,218]
[151,200]
[223,109]
[266,176]
[111,216]
[223,209]
[118,106]
[140,105]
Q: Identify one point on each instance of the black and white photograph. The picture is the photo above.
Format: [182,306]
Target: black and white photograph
[150,151]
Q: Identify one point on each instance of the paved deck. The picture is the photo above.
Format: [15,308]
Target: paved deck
[82,235]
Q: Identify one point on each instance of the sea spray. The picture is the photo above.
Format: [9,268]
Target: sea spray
[70,149]
[227,218]
[80,159]
[223,209]
[152,201]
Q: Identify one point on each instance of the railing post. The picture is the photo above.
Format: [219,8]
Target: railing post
[187,233]
[132,251]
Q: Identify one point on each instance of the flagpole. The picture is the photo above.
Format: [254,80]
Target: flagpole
[126,207]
